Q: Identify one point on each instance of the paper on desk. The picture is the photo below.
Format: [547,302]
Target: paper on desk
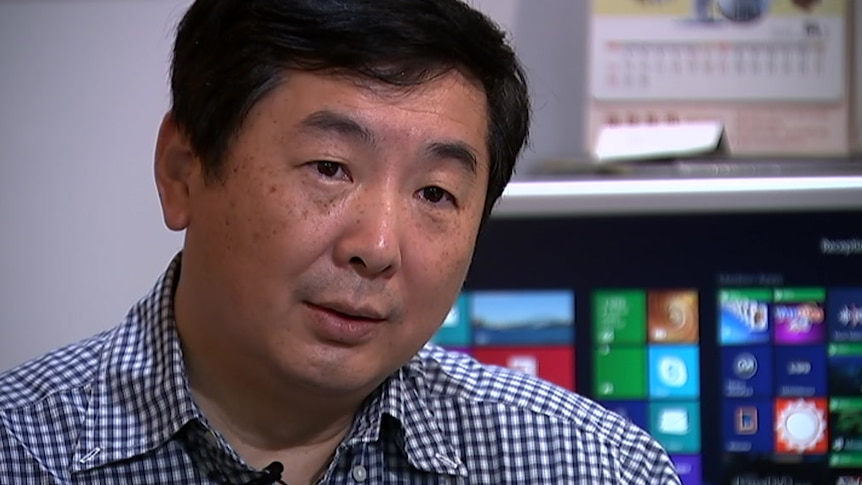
[660,141]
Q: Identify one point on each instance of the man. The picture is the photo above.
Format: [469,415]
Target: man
[331,163]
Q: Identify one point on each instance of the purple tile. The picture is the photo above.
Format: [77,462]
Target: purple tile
[799,323]
[689,468]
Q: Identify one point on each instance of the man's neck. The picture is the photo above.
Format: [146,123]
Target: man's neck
[268,420]
[305,446]
[264,416]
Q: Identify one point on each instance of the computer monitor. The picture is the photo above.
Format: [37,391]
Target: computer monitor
[733,337]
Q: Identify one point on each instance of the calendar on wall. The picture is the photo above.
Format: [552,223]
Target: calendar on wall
[775,72]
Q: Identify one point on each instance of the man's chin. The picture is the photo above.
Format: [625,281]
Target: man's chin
[340,371]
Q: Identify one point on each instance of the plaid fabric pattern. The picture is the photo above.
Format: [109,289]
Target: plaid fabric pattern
[116,409]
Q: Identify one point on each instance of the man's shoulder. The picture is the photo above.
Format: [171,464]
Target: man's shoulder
[537,408]
[70,367]
[459,376]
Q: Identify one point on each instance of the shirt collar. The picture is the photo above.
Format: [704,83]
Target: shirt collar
[140,397]
[403,399]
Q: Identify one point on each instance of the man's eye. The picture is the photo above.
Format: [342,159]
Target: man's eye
[328,169]
[435,195]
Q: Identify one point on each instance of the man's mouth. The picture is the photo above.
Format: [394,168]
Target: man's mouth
[353,312]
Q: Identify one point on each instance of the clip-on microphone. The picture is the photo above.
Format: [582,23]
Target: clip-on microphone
[271,475]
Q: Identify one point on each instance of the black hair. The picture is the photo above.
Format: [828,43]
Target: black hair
[229,54]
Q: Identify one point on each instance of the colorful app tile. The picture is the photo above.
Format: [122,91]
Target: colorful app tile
[674,371]
[747,425]
[845,369]
[676,425]
[620,372]
[800,371]
[523,317]
[798,315]
[801,426]
[799,294]
[844,314]
[619,316]
[799,323]
[455,331]
[672,316]
[743,316]
[845,429]
[747,371]
[634,411]
[553,364]
[689,468]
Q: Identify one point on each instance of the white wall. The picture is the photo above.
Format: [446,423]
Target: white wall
[83,85]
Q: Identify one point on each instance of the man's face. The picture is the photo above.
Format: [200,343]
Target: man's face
[343,228]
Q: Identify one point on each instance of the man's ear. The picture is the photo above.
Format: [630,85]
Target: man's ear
[176,170]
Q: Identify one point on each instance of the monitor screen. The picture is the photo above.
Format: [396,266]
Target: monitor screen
[734,339]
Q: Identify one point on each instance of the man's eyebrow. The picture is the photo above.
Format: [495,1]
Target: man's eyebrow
[455,150]
[331,121]
[328,121]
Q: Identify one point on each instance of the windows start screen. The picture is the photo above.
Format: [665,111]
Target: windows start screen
[782,368]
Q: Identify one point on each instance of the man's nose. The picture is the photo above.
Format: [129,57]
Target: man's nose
[371,240]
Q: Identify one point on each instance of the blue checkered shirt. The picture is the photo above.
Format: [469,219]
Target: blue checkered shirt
[117,409]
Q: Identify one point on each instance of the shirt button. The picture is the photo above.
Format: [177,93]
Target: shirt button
[360,474]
